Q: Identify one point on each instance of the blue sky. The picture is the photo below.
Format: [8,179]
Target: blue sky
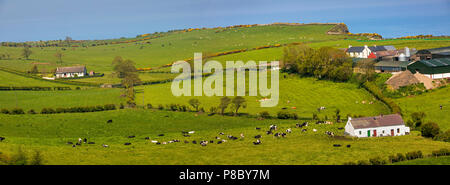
[28,20]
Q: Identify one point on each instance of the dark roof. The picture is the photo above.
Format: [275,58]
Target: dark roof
[384,63]
[377,48]
[377,121]
[434,50]
[355,49]
[437,62]
[74,69]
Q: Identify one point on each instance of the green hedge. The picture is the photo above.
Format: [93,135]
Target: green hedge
[373,89]
[33,88]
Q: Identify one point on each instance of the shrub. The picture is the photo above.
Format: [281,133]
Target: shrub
[121,106]
[363,162]
[430,129]
[264,114]
[414,155]
[59,110]
[213,109]
[5,111]
[149,106]
[400,157]
[444,136]
[109,107]
[377,161]
[349,163]
[393,159]
[17,111]
[37,158]
[160,107]
[31,111]
[286,115]
[441,152]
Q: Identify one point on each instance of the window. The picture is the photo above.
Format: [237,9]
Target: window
[383,131]
[398,130]
[360,132]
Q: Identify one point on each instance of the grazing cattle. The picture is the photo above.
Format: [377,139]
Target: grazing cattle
[219,142]
[85,140]
[304,130]
[289,130]
[242,135]
[109,121]
[73,146]
[217,137]
[2,138]
[170,141]
[304,124]
[79,144]
[164,143]
[257,142]
[131,136]
[91,143]
[186,141]
[184,132]
[283,134]
[269,132]
[257,136]
[70,143]
[186,135]
[340,128]
[176,140]
[194,142]
[153,141]
[147,138]
[127,144]
[79,140]
[158,143]
[273,127]
[221,133]
[277,135]
[337,145]
[105,146]
[257,128]
[320,122]
[348,146]
[161,135]
[314,130]
[329,133]
[211,141]
[191,132]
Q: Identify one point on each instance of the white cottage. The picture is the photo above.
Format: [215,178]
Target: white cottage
[364,52]
[70,72]
[383,125]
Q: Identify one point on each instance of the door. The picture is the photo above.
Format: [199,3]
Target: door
[374,133]
[392,132]
[368,133]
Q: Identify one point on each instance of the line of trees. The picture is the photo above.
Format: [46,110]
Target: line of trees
[323,63]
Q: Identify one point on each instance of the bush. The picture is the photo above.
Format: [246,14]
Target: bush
[444,136]
[160,107]
[109,107]
[400,157]
[5,111]
[264,114]
[414,155]
[441,152]
[377,161]
[121,106]
[31,111]
[149,106]
[430,129]
[17,111]
[363,162]
[286,115]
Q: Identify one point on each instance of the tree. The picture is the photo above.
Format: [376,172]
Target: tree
[26,52]
[430,129]
[194,103]
[417,118]
[59,56]
[224,102]
[367,70]
[238,102]
[34,70]
[127,71]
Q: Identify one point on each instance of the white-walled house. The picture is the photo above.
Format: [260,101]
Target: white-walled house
[383,125]
[364,51]
[70,72]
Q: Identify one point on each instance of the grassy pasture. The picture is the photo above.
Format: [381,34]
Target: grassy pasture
[49,133]
[305,94]
[429,103]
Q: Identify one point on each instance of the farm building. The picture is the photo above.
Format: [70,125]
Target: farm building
[427,54]
[365,51]
[70,72]
[435,68]
[377,126]
[391,66]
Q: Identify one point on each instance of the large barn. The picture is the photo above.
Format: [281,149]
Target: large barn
[435,68]
[434,53]
[377,126]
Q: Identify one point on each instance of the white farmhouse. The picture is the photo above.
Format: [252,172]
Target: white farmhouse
[365,51]
[70,72]
[383,125]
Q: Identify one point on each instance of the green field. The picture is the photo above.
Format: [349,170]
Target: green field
[427,161]
[429,103]
[49,134]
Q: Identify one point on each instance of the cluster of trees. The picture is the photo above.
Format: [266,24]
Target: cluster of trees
[323,63]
